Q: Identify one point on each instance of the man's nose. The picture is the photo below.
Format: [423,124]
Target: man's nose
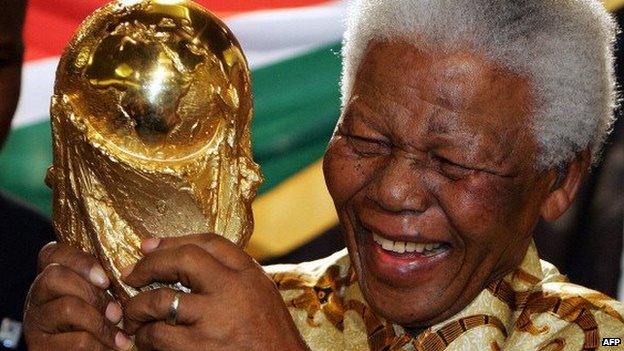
[401,187]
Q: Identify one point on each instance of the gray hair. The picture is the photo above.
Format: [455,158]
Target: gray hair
[564,47]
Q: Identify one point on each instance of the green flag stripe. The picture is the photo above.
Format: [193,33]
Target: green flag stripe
[23,163]
[296,101]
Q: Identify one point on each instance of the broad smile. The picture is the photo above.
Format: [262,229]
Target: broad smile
[410,248]
[403,260]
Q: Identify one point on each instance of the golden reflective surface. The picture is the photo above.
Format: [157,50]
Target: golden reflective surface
[151,123]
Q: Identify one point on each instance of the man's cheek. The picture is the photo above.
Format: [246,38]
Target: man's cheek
[472,214]
[345,174]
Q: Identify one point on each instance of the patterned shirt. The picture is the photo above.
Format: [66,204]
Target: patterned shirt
[533,308]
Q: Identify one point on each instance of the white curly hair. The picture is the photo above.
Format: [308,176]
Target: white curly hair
[564,47]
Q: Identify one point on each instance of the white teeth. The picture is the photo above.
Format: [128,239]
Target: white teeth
[420,248]
[399,246]
[410,247]
[387,245]
[402,247]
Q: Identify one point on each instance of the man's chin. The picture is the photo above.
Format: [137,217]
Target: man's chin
[411,287]
[408,309]
[413,303]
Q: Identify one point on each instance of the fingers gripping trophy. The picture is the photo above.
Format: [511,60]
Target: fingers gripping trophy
[151,122]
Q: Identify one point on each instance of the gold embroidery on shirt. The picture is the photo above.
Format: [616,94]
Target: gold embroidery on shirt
[544,296]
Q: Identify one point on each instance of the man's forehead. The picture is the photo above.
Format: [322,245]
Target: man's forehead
[459,97]
[396,77]
[460,80]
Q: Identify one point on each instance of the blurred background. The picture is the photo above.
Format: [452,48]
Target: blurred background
[293,48]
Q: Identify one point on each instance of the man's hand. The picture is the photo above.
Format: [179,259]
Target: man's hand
[68,308]
[233,305]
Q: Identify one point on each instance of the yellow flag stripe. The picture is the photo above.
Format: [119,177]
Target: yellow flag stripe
[292,214]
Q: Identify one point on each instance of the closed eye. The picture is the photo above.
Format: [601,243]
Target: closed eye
[368,147]
[452,169]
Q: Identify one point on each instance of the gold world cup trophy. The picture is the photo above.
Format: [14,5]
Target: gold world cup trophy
[151,118]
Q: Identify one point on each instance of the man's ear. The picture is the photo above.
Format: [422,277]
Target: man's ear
[564,191]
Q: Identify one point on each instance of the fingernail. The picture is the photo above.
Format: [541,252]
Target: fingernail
[113,312]
[122,341]
[149,245]
[98,277]
[126,271]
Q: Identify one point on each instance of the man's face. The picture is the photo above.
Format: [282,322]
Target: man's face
[431,171]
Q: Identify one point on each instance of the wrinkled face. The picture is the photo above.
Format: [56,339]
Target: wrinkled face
[431,171]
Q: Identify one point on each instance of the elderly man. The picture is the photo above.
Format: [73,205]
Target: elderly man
[464,123]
